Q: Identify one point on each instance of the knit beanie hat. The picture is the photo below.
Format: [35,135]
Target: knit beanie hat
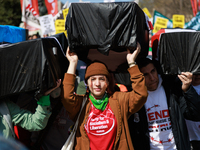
[96,68]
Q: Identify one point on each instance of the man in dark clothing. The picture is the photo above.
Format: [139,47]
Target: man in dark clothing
[160,123]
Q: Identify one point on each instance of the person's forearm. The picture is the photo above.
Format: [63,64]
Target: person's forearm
[72,68]
[138,95]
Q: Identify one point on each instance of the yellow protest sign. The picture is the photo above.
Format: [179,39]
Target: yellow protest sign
[178,21]
[65,12]
[146,11]
[159,24]
[60,24]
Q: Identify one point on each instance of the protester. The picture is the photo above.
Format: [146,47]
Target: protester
[35,36]
[30,37]
[57,130]
[54,135]
[194,126]
[11,114]
[45,35]
[103,121]
[160,124]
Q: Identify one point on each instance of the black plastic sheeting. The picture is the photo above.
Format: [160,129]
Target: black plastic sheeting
[180,52]
[106,26]
[31,66]
[62,40]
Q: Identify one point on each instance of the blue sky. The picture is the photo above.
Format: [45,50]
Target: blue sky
[97,1]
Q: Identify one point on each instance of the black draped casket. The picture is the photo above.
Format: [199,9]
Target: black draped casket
[32,65]
[102,27]
[179,52]
[104,31]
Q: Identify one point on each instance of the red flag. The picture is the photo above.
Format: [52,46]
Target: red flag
[199,4]
[194,6]
[52,6]
[35,6]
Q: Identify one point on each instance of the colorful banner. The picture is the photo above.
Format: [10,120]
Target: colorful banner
[29,15]
[52,6]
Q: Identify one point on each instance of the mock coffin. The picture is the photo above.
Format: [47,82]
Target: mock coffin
[32,65]
[12,34]
[179,52]
[106,26]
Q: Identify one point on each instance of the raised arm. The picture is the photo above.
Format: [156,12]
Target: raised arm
[73,60]
[186,79]
[190,102]
[70,101]
[132,57]
[131,102]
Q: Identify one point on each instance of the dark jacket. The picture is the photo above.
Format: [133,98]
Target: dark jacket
[181,106]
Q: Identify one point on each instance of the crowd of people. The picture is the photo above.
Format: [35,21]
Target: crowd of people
[159,112]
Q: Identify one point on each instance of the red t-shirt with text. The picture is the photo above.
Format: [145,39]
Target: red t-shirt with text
[101,128]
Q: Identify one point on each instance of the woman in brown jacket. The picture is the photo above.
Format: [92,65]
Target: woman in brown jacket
[103,121]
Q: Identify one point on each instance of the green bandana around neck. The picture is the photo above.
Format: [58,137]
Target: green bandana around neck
[99,103]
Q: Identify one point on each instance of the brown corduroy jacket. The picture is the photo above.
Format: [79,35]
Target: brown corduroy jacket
[123,104]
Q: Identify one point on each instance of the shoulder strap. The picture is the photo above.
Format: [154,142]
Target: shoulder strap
[6,115]
[69,144]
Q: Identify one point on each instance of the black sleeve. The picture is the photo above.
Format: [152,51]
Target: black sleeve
[190,105]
